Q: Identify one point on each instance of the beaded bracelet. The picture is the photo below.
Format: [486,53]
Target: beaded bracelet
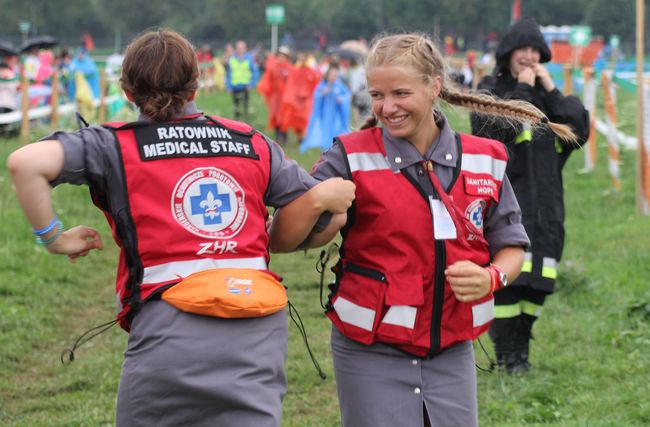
[49,227]
[52,239]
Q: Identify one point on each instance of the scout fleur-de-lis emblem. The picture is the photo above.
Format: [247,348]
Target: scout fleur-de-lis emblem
[211,206]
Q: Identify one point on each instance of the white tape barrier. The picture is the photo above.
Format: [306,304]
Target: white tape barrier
[629,142]
[46,111]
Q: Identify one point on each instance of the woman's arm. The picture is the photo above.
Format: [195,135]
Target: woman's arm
[321,238]
[32,167]
[293,223]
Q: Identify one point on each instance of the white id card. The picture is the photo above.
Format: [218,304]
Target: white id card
[443,226]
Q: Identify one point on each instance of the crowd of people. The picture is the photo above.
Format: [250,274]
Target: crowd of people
[444,235]
[316,99]
[40,66]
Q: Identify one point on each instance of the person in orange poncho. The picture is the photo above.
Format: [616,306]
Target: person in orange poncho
[272,86]
[297,100]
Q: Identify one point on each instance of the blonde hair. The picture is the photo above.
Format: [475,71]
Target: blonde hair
[419,52]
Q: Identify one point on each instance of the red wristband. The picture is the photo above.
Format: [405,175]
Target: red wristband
[495,277]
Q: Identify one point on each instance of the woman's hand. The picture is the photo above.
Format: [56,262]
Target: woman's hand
[468,281]
[76,242]
[527,75]
[335,194]
[544,77]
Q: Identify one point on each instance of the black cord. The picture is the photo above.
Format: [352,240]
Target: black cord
[67,355]
[81,120]
[321,266]
[301,328]
[493,365]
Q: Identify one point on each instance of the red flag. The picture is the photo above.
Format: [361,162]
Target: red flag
[515,12]
[88,42]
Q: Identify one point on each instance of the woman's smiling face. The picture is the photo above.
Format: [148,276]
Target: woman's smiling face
[522,58]
[402,100]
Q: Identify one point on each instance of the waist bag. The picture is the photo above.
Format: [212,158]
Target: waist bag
[228,293]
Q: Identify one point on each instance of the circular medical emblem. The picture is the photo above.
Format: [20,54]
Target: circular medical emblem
[209,202]
[474,213]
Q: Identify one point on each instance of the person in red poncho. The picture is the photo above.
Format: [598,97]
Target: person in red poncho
[272,86]
[296,103]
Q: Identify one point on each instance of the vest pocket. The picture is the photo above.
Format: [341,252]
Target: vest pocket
[358,303]
[404,300]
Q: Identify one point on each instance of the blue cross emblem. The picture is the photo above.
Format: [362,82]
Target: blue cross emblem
[210,204]
[477,217]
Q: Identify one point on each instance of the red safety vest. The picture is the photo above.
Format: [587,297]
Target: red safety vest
[391,286]
[195,194]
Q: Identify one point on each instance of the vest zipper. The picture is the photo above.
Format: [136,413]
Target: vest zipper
[439,279]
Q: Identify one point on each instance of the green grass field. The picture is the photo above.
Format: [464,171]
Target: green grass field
[591,352]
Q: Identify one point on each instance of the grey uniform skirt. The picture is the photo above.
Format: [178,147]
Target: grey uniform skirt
[379,385]
[182,369]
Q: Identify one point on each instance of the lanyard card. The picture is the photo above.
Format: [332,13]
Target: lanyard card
[443,225]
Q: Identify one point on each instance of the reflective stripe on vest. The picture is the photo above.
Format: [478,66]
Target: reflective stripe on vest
[527,267]
[401,315]
[483,313]
[484,164]
[367,162]
[179,269]
[549,268]
[354,314]
[240,71]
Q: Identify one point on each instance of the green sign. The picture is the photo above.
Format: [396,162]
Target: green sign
[24,26]
[275,14]
[614,41]
[580,35]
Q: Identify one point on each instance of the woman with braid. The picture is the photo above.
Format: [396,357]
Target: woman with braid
[434,230]
[536,159]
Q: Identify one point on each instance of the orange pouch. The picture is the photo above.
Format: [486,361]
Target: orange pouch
[228,293]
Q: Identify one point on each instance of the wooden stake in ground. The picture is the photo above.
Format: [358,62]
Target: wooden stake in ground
[102,95]
[24,109]
[54,101]
[609,96]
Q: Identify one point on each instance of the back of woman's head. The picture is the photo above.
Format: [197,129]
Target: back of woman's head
[161,73]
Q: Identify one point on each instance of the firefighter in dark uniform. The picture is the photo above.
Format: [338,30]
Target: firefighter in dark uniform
[535,170]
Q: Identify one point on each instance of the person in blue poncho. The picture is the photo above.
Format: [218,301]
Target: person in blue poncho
[84,64]
[330,115]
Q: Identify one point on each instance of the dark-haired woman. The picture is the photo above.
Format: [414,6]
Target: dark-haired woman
[184,194]
[535,166]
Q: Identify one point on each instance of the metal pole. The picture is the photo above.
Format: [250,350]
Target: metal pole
[274,38]
[641,190]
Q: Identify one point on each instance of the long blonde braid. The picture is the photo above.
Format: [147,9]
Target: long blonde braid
[419,52]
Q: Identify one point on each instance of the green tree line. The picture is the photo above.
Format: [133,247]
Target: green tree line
[224,20]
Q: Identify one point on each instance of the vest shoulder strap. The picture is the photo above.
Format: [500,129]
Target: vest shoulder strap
[114,125]
[474,144]
[239,127]
[360,140]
